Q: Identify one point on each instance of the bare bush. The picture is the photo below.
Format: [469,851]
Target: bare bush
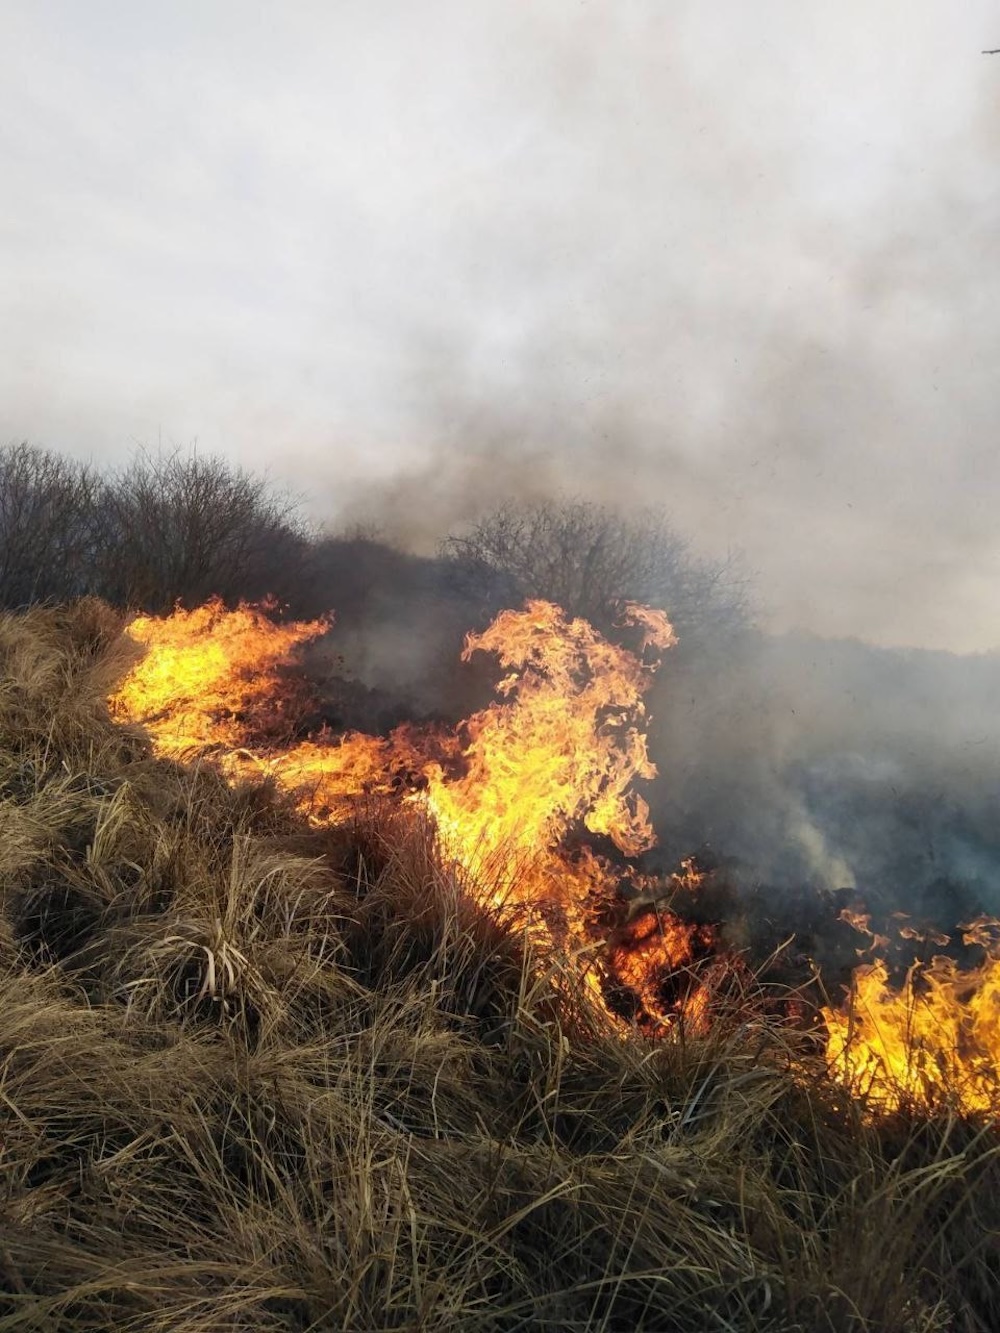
[589,559]
[47,508]
[165,529]
[178,528]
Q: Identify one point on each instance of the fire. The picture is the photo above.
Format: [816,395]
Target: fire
[862,923]
[209,677]
[655,954]
[565,745]
[513,792]
[559,750]
[935,1040]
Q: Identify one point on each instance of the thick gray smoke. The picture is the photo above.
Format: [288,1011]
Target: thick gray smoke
[735,259]
[838,765]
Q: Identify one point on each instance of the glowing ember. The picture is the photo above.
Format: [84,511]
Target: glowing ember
[654,955]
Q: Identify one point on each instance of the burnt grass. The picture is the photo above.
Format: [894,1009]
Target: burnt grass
[255,1075]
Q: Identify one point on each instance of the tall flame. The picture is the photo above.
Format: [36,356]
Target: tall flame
[565,745]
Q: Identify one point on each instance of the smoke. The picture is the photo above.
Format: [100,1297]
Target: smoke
[803,761]
[788,348]
[736,260]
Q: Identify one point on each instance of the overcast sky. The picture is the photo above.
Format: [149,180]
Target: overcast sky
[738,260]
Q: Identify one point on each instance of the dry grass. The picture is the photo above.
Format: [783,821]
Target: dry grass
[255,1077]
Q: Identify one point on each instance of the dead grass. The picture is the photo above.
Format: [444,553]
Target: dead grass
[254,1076]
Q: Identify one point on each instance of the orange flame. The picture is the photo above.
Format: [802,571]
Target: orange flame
[862,923]
[209,677]
[566,745]
[933,1041]
[655,953]
[561,747]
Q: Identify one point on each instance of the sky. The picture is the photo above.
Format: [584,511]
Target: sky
[738,262]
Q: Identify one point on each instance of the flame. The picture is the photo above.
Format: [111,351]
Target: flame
[862,923]
[511,791]
[330,775]
[935,1040]
[209,676]
[654,956]
[565,746]
[560,749]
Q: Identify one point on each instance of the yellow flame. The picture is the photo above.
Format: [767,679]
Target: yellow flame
[565,745]
[208,675]
[934,1041]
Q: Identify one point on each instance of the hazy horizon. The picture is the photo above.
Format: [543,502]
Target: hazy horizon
[736,261]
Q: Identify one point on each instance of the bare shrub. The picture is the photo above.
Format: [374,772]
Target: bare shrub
[47,507]
[589,558]
[185,528]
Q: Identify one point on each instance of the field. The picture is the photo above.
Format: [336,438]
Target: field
[258,1073]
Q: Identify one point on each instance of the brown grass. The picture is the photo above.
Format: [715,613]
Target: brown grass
[255,1076]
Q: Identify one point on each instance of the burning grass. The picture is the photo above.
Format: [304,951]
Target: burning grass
[259,1072]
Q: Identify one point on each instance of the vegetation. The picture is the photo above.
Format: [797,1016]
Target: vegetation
[166,528]
[256,1075]
[174,528]
[48,512]
[589,559]
[186,529]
